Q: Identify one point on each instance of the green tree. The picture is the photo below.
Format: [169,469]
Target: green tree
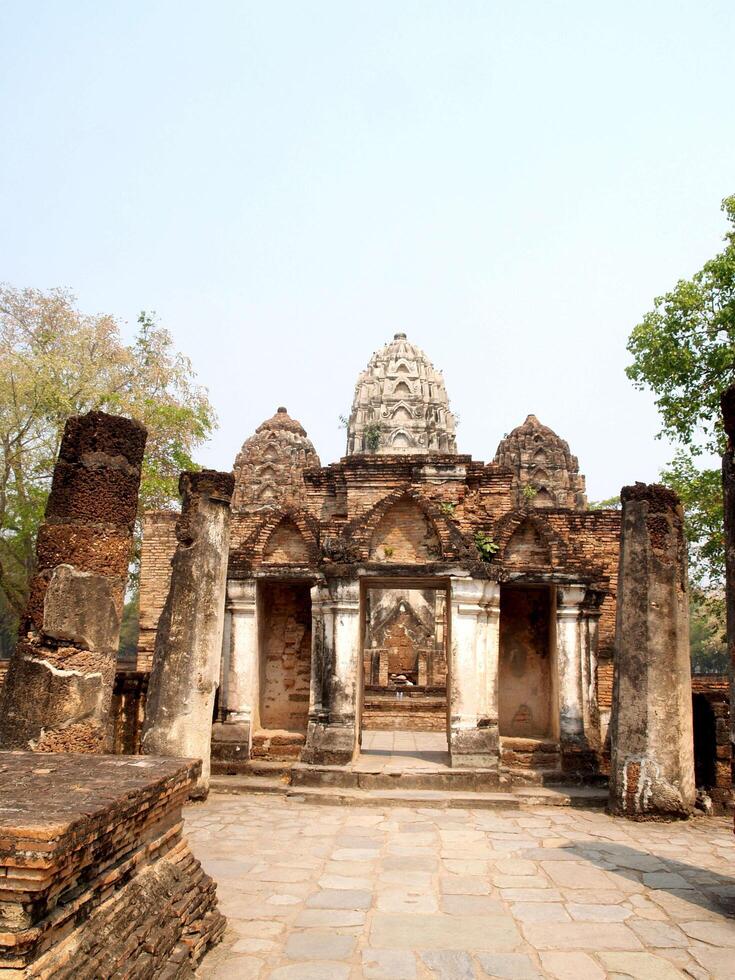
[684,352]
[55,362]
[707,642]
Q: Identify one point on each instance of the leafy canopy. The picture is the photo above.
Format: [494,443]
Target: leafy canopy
[684,352]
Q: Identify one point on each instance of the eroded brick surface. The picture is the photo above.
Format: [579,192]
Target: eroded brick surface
[98,881]
[56,695]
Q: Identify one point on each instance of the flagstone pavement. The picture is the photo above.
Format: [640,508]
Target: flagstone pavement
[345,892]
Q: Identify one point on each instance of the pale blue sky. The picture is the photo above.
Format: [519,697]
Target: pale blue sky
[288,184]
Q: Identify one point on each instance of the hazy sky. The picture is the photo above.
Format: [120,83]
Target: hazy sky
[290,183]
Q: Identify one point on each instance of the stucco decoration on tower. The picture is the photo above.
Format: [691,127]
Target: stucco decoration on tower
[541,460]
[270,466]
[400,405]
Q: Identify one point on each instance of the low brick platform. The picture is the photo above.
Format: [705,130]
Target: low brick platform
[96,879]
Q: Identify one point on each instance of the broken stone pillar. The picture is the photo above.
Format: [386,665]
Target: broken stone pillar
[728,489]
[331,737]
[473,695]
[652,757]
[232,738]
[58,689]
[186,659]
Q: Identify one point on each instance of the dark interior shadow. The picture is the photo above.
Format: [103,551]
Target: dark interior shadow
[717,893]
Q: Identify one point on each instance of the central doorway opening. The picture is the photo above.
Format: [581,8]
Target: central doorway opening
[526,681]
[405,675]
[284,670]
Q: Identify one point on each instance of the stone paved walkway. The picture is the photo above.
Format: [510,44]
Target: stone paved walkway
[404,751]
[340,893]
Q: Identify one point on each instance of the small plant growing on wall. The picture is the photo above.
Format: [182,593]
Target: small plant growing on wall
[529,492]
[486,545]
[447,508]
[372,436]
[387,551]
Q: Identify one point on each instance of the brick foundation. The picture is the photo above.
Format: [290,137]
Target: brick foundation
[99,882]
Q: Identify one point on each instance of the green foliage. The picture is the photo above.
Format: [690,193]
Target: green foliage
[684,352]
[684,349]
[529,492]
[707,640]
[612,503]
[447,508]
[388,551]
[55,362]
[700,492]
[486,545]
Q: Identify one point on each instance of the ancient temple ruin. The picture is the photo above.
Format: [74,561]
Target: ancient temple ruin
[409,585]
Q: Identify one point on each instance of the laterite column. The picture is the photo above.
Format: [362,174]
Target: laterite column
[57,693]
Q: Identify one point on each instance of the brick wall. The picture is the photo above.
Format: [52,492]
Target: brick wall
[285,611]
[286,546]
[159,545]
[404,535]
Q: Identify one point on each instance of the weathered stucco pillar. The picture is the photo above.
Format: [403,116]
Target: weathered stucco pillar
[331,737]
[728,490]
[652,757]
[58,689]
[569,661]
[473,673]
[188,647]
[232,739]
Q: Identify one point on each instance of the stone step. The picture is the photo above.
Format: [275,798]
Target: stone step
[384,777]
[522,798]
[269,768]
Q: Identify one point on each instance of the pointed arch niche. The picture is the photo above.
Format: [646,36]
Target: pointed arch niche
[527,547]
[405,535]
[286,545]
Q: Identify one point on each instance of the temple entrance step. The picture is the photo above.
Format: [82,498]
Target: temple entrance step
[366,776]
[278,745]
[521,798]
[278,769]
[530,761]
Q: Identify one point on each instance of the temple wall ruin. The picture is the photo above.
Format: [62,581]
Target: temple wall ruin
[159,545]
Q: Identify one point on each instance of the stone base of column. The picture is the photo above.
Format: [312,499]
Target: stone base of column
[329,744]
[475,748]
[639,792]
[230,746]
